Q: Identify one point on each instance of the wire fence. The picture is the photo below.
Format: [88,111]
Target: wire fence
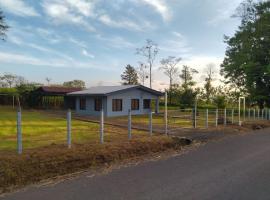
[26,129]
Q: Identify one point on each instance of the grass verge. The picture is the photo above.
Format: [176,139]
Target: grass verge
[43,163]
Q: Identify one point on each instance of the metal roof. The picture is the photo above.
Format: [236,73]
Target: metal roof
[57,89]
[108,90]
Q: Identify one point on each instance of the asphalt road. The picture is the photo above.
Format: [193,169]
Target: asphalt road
[235,168]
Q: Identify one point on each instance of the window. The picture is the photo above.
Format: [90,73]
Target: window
[135,104]
[146,103]
[98,104]
[82,104]
[117,105]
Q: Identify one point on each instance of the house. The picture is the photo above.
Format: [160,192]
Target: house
[116,100]
[53,97]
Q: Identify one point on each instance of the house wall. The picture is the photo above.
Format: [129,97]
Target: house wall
[90,106]
[126,100]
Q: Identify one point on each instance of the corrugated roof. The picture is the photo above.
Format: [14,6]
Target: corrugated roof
[56,89]
[106,90]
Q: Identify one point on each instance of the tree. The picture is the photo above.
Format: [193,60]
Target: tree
[187,76]
[75,83]
[9,79]
[142,74]
[129,76]
[3,26]
[149,51]
[210,71]
[247,60]
[169,67]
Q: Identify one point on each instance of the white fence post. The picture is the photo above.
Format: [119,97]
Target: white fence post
[254,114]
[258,116]
[166,113]
[216,117]
[19,131]
[101,126]
[249,114]
[206,122]
[129,124]
[232,116]
[150,123]
[69,128]
[225,117]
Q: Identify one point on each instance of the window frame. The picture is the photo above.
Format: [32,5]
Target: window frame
[82,103]
[135,104]
[148,103]
[98,104]
[117,105]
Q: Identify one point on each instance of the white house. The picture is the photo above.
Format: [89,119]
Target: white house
[116,100]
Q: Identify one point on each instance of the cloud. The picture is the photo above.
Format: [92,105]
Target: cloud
[22,59]
[18,7]
[117,42]
[161,7]
[224,11]
[177,44]
[123,23]
[87,54]
[62,13]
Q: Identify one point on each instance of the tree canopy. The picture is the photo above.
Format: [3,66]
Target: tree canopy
[247,61]
[75,83]
[129,76]
[3,26]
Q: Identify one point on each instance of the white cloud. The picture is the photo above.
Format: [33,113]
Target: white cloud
[161,7]
[123,23]
[22,59]
[117,42]
[177,44]
[87,54]
[224,11]
[61,13]
[18,7]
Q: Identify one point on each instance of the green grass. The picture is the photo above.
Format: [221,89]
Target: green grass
[41,129]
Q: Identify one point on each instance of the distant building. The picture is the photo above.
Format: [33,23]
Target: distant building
[116,100]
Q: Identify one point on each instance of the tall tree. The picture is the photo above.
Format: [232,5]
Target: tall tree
[187,77]
[149,51]
[3,26]
[247,61]
[129,76]
[142,74]
[75,83]
[210,72]
[169,67]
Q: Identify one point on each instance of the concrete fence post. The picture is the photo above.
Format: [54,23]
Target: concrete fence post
[101,126]
[216,117]
[268,114]
[69,128]
[150,123]
[254,114]
[166,113]
[249,114]
[19,130]
[258,116]
[129,125]
[232,116]
[262,116]
[206,122]
[225,117]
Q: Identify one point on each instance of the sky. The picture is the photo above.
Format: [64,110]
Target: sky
[93,40]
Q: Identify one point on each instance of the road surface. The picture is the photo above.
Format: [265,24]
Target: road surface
[237,168]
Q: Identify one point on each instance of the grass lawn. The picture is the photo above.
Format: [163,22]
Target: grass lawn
[41,129]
